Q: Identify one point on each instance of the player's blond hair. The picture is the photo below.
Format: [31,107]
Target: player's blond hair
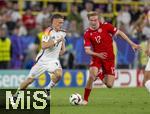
[92,13]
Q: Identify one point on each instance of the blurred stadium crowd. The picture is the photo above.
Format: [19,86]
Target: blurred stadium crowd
[20,34]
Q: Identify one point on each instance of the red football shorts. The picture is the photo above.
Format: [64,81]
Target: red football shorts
[106,67]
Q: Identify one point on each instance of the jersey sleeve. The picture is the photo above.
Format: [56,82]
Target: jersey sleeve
[47,35]
[111,29]
[87,42]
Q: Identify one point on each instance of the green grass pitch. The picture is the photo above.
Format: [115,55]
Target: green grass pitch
[102,101]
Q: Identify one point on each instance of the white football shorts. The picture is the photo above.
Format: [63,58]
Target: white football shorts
[41,66]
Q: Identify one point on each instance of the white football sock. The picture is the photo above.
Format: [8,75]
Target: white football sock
[147,85]
[50,85]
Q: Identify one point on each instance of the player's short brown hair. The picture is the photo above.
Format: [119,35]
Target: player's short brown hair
[56,16]
[92,13]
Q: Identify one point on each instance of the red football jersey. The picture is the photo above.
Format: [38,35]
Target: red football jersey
[101,39]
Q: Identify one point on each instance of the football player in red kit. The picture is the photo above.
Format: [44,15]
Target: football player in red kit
[98,42]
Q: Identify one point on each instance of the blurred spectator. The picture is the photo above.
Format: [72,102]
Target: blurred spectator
[137,27]
[100,12]
[73,31]
[74,14]
[46,23]
[2,21]
[143,58]
[17,56]
[42,15]
[34,6]
[29,21]
[5,49]
[27,42]
[135,13]
[123,28]
[146,28]
[2,3]
[7,16]
[15,15]
[124,17]
[22,30]
[29,49]
[142,55]
[51,8]
[89,5]
[75,22]
[146,31]
[109,6]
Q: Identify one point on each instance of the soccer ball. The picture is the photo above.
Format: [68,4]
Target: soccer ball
[75,99]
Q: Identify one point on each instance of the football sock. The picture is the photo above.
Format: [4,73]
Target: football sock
[86,93]
[50,85]
[147,85]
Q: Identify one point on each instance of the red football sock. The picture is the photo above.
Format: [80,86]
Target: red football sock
[86,93]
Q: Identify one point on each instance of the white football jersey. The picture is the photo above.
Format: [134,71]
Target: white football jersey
[51,53]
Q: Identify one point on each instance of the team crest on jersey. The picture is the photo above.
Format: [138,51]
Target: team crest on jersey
[99,30]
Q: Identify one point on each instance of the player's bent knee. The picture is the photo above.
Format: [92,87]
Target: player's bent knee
[93,74]
[91,78]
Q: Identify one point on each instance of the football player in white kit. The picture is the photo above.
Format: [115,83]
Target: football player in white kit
[48,58]
[147,69]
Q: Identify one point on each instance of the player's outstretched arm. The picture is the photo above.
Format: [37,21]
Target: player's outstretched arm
[125,37]
[63,48]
